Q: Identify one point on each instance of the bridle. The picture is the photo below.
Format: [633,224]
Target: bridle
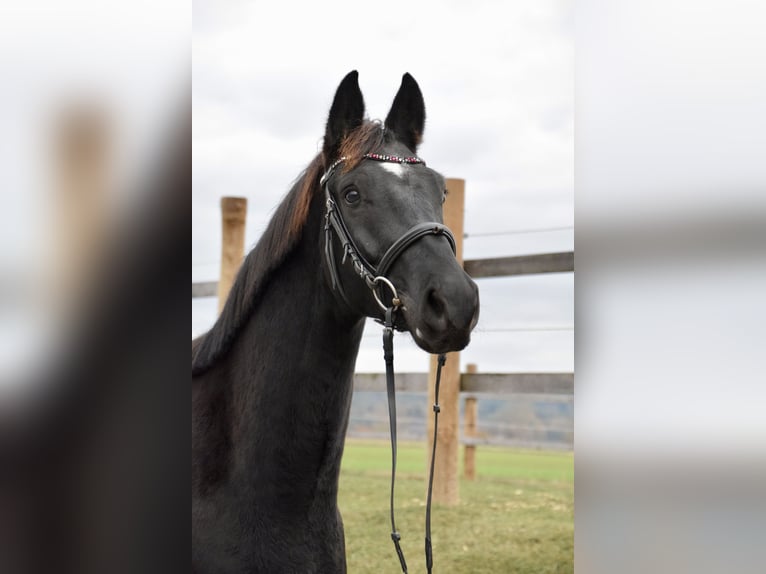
[375,278]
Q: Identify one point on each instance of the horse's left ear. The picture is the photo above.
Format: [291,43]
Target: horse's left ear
[407,117]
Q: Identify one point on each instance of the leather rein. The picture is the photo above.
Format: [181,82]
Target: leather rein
[375,278]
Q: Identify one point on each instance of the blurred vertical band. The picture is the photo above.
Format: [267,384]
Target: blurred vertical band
[95,204]
[670,436]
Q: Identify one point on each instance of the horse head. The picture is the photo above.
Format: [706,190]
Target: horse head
[385,242]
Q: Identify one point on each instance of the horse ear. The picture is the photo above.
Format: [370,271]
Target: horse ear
[407,117]
[346,113]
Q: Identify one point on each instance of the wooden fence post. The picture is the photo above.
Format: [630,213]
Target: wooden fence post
[469,432]
[446,485]
[233,215]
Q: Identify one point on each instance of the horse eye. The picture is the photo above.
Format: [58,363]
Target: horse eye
[352,196]
[444,196]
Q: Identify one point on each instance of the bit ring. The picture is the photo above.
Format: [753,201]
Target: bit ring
[395,301]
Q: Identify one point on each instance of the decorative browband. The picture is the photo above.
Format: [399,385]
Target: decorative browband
[373,156]
[393,158]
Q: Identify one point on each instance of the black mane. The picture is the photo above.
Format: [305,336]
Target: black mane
[279,239]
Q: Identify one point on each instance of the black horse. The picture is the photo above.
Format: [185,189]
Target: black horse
[272,379]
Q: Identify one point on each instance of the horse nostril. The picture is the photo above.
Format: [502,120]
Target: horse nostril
[436,303]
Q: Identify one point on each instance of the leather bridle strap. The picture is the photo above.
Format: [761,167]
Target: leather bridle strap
[411,236]
[362,267]
[334,222]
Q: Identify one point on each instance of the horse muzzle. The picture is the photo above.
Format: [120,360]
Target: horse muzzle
[443,313]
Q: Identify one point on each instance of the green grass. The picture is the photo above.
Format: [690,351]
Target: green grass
[517,517]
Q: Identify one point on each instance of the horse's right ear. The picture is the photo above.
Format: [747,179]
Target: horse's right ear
[346,114]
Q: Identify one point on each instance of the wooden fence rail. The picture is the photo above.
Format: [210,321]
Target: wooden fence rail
[204,289]
[477,268]
[520,265]
[491,383]
[546,386]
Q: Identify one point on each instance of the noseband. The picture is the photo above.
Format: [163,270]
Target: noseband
[375,278]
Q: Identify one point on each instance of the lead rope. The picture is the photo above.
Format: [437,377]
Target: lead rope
[429,555]
[388,356]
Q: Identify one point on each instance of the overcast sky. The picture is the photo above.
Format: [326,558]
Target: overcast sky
[497,79]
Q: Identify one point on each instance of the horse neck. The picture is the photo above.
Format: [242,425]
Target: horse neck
[293,379]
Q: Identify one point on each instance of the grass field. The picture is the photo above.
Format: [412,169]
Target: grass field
[517,517]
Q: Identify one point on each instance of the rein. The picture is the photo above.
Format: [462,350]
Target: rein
[388,356]
[375,278]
